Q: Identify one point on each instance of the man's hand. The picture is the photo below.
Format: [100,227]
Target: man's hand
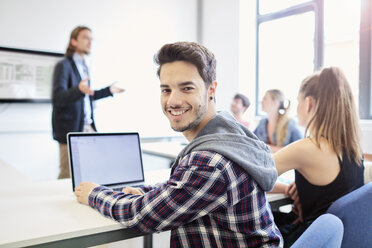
[114,89]
[82,191]
[84,87]
[131,190]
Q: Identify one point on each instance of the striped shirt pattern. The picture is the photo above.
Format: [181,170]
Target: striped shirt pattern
[208,201]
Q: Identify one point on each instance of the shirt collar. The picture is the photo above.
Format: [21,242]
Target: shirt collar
[78,58]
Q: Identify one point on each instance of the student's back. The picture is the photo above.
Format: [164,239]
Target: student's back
[328,163]
[325,178]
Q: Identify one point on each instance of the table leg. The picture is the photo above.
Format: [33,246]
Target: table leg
[147,241]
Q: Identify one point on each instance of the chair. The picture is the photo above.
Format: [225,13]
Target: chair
[355,211]
[325,232]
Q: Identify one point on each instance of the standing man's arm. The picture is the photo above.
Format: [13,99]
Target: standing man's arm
[62,93]
[108,91]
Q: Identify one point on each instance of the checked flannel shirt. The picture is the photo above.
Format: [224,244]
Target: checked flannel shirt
[208,201]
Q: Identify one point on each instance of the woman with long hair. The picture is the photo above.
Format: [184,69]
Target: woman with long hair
[328,163]
[277,129]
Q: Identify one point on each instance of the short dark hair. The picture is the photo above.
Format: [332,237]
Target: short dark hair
[192,53]
[245,100]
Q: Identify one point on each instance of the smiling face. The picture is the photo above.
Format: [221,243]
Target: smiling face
[185,98]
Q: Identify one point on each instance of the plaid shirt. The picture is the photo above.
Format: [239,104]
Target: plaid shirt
[208,201]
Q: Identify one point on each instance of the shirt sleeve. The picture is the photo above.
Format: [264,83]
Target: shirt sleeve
[195,188]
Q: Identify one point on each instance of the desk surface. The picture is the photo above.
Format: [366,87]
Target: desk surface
[10,175]
[41,212]
[36,213]
[164,149]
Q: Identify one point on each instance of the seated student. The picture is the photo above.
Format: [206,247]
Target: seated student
[215,196]
[277,129]
[328,163]
[239,105]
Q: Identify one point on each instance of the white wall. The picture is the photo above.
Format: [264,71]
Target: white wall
[220,33]
[366,135]
[126,33]
[126,36]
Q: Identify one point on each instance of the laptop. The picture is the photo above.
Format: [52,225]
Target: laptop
[113,160]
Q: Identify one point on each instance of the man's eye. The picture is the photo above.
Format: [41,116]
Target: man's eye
[165,90]
[188,88]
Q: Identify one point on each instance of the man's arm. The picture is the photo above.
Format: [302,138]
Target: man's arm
[62,94]
[193,190]
[108,91]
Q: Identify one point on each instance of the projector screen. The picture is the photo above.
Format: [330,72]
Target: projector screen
[26,75]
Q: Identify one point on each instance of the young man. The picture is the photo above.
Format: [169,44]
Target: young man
[215,196]
[72,96]
[239,105]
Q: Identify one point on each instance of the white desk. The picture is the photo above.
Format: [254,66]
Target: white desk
[46,214]
[164,149]
[10,175]
[38,213]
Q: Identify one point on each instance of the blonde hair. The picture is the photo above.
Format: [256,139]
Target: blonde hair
[283,111]
[335,117]
[74,34]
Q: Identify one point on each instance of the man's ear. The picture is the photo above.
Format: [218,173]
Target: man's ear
[212,89]
[73,42]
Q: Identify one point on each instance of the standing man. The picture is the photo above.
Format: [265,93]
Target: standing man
[72,95]
[215,196]
[239,105]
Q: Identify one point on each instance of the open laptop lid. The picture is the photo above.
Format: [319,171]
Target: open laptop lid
[109,159]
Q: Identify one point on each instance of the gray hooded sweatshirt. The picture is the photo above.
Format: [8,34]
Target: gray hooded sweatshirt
[225,136]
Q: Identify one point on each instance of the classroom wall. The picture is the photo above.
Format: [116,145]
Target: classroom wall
[126,35]
[220,33]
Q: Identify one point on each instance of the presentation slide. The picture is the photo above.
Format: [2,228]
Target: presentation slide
[26,75]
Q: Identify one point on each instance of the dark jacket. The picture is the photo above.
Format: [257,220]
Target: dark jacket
[68,100]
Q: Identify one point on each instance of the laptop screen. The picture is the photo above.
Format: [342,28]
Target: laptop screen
[105,158]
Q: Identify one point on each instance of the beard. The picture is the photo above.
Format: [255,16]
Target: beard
[200,113]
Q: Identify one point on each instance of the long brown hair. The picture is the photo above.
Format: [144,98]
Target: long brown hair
[74,34]
[283,112]
[335,117]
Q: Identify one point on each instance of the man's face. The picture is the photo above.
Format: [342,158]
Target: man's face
[237,106]
[83,42]
[184,97]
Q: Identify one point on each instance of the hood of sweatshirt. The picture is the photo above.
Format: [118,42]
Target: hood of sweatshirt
[224,135]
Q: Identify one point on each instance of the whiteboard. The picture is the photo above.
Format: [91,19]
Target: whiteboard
[26,75]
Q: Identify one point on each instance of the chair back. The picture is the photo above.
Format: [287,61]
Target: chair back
[355,212]
[325,232]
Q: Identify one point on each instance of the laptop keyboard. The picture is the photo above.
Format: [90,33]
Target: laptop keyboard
[118,189]
[122,187]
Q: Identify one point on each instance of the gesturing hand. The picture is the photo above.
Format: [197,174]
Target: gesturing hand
[84,87]
[115,89]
